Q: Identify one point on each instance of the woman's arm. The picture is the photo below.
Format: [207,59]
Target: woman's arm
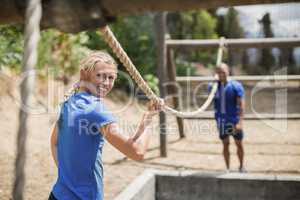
[136,145]
[53,144]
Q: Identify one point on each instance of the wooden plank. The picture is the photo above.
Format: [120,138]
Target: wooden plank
[264,116]
[240,78]
[160,29]
[172,89]
[234,43]
[63,14]
[142,6]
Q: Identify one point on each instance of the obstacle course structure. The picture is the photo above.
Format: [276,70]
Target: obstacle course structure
[75,16]
[170,185]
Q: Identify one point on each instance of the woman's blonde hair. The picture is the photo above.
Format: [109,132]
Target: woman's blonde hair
[87,65]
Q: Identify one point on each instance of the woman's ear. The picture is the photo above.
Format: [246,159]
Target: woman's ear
[84,75]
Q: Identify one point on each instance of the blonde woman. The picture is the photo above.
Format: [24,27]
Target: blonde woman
[78,136]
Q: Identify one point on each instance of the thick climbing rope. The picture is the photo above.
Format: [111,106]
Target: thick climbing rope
[32,35]
[134,73]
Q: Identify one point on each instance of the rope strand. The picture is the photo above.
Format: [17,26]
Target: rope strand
[111,40]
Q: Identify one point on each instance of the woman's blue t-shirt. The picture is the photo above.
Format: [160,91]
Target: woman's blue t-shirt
[79,150]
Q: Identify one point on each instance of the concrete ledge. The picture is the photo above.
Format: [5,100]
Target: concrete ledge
[142,188]
[192,185]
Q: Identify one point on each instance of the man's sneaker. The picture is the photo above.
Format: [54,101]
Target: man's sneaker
[242,170]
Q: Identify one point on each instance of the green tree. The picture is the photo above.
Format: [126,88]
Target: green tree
[267,59]
[233,29]
[136,35]
[58,51]
[11,47]
[62,53]
[193,25]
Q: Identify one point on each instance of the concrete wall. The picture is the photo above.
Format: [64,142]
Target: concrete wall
[166,185]
[142,188]
[226,187]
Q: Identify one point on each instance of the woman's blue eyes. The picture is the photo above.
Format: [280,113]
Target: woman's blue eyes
[103,76]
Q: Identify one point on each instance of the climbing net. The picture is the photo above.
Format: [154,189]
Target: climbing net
[134,73]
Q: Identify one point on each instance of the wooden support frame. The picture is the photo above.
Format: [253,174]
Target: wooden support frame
[59,13]
[173,90]
[229,43]
[210,116]
[234,43]
[242,78]
[249,79]
[160,29]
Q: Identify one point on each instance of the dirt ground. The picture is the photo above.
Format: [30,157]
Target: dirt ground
[271,147]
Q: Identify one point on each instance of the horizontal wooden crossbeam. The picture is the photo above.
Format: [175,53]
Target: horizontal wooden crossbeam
[262,116]
[240,78]
[234,43]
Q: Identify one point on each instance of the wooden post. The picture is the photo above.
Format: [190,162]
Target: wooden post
[160,29]
[30,57]
[172,88]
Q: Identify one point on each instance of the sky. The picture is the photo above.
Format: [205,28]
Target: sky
[285,18]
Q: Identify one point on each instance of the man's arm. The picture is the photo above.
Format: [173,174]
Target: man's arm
[53,143]
[241,104]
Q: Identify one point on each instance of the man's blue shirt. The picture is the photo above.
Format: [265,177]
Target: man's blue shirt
[225,101]
[79,150]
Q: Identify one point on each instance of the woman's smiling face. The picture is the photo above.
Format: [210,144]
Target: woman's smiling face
[101,79]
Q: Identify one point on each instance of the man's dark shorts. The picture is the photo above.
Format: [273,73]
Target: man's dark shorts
[227,129]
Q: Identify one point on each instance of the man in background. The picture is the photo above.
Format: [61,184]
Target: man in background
[229,105]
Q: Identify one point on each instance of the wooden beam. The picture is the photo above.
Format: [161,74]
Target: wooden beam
[234,43]
[160,29]
[262,116]
[64,14]
[121,7]
[172,89]
[240,78]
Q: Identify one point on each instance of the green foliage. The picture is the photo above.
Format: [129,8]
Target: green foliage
[193,25]
[152,82]
[58,51]
[11,46]
[184,69]
[267,60]
[232,27]
[136,35]
[62,52]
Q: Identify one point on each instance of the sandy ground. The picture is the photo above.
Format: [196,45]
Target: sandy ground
[271,147]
